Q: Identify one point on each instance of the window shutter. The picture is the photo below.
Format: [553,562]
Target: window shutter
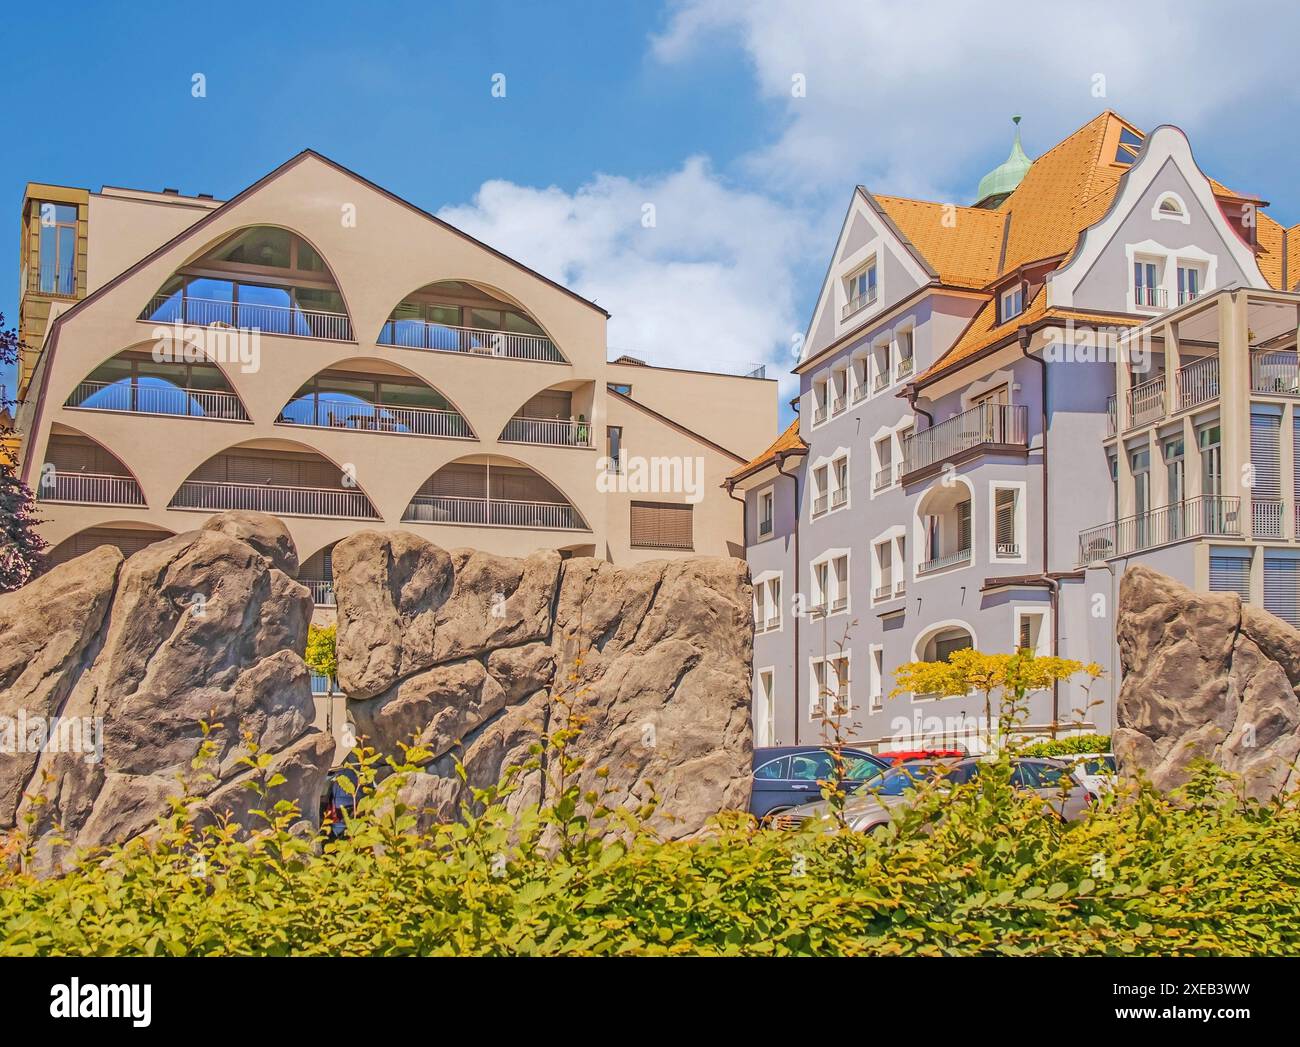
[1005,513]
[963,525]
[661,525]
[1026,633]
[1282,587]
[1264,455]
[1230,573]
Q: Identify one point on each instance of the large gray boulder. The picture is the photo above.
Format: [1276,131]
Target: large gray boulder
[651,660]
[200,628]
[1205,677]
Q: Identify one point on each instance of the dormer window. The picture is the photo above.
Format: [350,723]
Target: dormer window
[860,289]
[1170,208]
[1013,303]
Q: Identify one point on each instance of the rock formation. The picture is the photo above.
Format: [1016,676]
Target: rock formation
[1205,676]
[480,655]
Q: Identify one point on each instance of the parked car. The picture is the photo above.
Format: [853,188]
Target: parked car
[871,810]
[895,757]
[1096,772]
[786,776]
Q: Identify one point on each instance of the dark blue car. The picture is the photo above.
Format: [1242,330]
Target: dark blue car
[786,776]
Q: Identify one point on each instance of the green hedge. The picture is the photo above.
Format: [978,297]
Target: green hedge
[977,870]
[1078,743]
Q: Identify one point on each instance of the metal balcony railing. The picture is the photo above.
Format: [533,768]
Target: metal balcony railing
[267,319]
[884,590]
[1112,408]
[821,414]
[882,380]
[157,399]
[764,528]
[328,413]
[1266,517]
[940,562]
[839,404]
[820,504]
[1008,549]
[901,588]
[339,503]
[839,497]
[493,512]
[839,604]
[772,623]
[860,302]
[1150,297]
[322,590]
[1207,515]
[1276,372]
[884,477]
[89,489]
[1198,382]
[552,432]
[905,366]
[1188,296]
[995,425]
[51,279]
[1146,401]
[476,341]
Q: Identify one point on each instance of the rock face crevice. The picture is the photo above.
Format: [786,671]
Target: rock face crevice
[1205,676]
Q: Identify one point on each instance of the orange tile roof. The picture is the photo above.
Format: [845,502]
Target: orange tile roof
[962,244]
[790,440]
[1292,251]
[1271,236]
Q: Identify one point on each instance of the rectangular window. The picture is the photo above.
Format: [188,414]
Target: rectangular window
[906,352]
[1230,571]
[1147,292]
[963,525]
[766,501]
[841,493]
[662,525]
[614,448]
[1282,586]
[821,596]
[1266,476]
[877,679]
[860,289]
[885,466]
[1031,632]
[1005,512]
[1189,284]
[58,248]
[1013,303]
[765,709]
[884,572]
[821,493]
[841,601]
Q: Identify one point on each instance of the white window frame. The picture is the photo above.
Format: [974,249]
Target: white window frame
[1022,517]
[768,493]
[1029,610]
[1015,295]
[821,389]
[815,686]
[1168,260]
[763,583]
[876,695]
[882,343]
[897,564]
[860,369]
[830,592]
[904,329]
[839,379]
[871,262]
[1182,216]
[769,700]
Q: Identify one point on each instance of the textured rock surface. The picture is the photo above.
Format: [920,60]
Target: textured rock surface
[1205,676]
[653,659]
[198,627]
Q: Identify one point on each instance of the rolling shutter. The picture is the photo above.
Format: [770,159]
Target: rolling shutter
[1005,514]
[963,525]
[1266,494]
[661,525]
[1282,587]
[1230,572]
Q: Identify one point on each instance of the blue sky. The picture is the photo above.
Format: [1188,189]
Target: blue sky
[687,106]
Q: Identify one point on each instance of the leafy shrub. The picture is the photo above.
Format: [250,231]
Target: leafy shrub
[979,869]
[1078,743]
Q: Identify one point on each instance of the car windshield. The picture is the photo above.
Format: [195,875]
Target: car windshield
[912,775]
[861,769]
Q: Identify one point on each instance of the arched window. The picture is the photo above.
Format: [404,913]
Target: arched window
[1170,207]
[454,316]
[943,643]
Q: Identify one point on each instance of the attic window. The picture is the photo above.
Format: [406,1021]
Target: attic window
[1170,207]
[1129,144]
[1013,303]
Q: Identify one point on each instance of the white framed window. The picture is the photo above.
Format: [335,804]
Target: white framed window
[829,681]
[839,390]
[860,288]
[881,366]
[1013,303]
[1149,283]
[905,337]
[840,577]
[767,602]
[821,489]
[884,474]
[766,512]
[861,369]
[1170,208]
[1190,281]
[1007,522]
[830,583]
[1031,630]
[877,677]
[821,393]
[765,707]
[840,477]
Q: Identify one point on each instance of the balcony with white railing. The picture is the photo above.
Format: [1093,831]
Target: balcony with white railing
[839,404]
[1198,382]
[986,428]
[905,367]
[278,499]
[883,478]
[322,590]
[1275,373]
[1112,417]
[1151,298]
[939,563]
[901,588]
[1204,516]
[821,504]
[353,413]
[473,341]
[493,512]
[250,316]
[1146,402]
[859,303]
[84,488]
[821,413]
[885,590]
[882,380]
[1266,517]
[548,432]
[170,400]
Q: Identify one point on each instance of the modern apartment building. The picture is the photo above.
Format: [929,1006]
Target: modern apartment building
[1001,407]
[317,348]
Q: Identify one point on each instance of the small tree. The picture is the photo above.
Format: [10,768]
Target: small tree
[322,655]
[21,548]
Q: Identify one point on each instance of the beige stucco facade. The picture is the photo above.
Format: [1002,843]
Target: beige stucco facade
[378,250]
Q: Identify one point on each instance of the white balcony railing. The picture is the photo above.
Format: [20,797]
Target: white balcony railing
[157,399]
[327,413]
[883,478]
[340,503]
[938,563]
[860,302]
[905,366]
[820,504]
[840,403]
[1198,382]
[1111,416]
[89,489]
[882,380]
[1276,372]
[476,341]
[1146,401]
[1150,297]
[267,319]
[322,591]
[985,425]
[885,589]
[552,432]
[493,512]
[1213,515]
[1266,517]
[821,414]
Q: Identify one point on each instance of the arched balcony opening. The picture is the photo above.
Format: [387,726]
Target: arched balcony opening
[943,517]
[367,396]
[263,278]
[129,538]
[556,417]
[82,471]
[134,381]
[317,574]
[454,316]
[278,477]
[490,491]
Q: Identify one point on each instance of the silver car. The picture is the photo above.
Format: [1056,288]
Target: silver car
[869,811]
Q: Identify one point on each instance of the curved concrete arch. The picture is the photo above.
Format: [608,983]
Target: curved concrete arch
[231,387]
[930,631]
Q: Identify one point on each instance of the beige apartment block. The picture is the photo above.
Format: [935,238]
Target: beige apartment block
[320,349]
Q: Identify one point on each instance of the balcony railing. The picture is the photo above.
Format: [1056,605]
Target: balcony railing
[322,591]
[268,319]
[883,478]
[987,425]
[1008,549]
[821,414]
[839,497]
[493,512]
[817,610]
[476,341]
[940,562]
[901,588]
[1277,372]
[860,302]
[905,366]
[1266,517]
[553,432]
[765,528]
[1146,401]
[1188,296]
[839,604]
[1207,515]
[820,504]
[281,499]
[1150,297]
[769,624]
[1198,382]
[884,590]
[1112,406]
[840,403]
[48,278]
[89,489]
[157,399]
[325,413]
[882,380]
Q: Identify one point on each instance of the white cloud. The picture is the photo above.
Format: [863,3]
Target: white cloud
[903,94]
[708,285]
